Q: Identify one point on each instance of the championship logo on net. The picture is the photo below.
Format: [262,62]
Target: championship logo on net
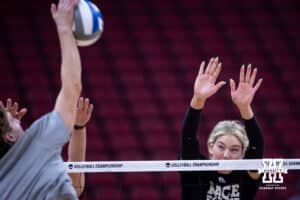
[272,171]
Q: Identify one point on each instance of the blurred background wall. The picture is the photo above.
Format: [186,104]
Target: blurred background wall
[140,77]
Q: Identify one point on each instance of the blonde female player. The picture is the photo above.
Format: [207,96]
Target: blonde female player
[228,139]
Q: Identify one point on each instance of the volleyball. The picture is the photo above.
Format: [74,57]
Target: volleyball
[88,23]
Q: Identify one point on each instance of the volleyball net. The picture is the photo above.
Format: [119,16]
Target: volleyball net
[262,165]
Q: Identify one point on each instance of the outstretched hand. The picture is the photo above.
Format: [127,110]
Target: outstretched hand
[243,95]
[13,109]
[84,111]
[205,84]
[63,14]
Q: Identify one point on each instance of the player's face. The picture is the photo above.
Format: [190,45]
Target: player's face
[226,147]
[17,130]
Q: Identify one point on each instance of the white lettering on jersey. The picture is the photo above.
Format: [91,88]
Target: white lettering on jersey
[227,192]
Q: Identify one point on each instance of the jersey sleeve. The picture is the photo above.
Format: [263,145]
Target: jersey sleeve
[189,148]
[49,130]
[256,139]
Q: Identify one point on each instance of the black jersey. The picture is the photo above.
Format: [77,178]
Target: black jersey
[211,185]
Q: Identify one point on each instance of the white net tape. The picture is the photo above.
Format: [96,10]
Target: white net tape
[262,165]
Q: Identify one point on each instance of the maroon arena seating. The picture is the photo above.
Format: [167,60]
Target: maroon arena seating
[140,78]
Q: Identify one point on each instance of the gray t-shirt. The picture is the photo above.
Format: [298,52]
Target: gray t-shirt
[33,168]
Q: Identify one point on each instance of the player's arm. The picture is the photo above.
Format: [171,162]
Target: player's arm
[77,145]
[205,86]
[242,96]
[71,64]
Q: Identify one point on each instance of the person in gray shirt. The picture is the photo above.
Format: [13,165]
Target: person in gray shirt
[30,160]
[77,143]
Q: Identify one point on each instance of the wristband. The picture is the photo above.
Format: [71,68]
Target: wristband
[79,127]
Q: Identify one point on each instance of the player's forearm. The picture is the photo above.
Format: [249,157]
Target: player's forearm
[256,139]
[77,153]
[71,63]
[197,103]
[189,148]
[246,112]
[78,180]
[77,146]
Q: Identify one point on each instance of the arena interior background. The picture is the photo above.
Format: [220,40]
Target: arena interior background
[140,77]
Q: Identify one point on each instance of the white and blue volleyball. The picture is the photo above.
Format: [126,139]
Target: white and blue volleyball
[88,23]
